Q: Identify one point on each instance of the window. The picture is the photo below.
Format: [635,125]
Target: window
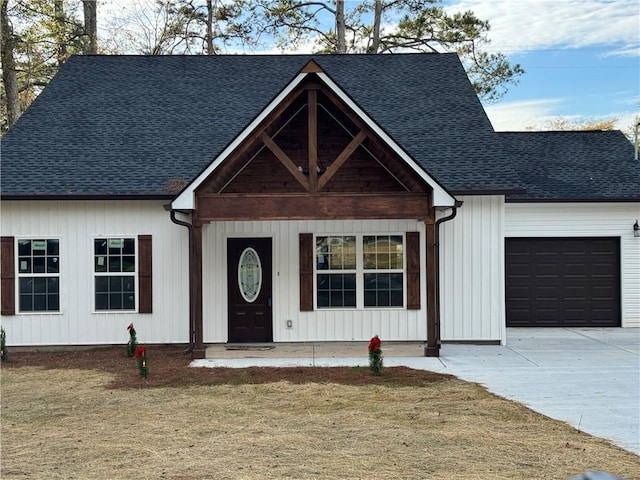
[365,272]
[336,267]
[383,278]
[39,275]
[115,273]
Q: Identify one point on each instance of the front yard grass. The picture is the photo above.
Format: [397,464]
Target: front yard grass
[89,415]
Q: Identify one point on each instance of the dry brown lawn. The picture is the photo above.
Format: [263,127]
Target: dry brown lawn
[88,415]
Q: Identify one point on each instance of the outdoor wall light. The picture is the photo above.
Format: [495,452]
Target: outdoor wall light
[636,229]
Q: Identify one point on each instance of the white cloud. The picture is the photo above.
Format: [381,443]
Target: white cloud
[534,114]
[525,25]
[520,115]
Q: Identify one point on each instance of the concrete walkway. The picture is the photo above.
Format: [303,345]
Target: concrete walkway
[589,378]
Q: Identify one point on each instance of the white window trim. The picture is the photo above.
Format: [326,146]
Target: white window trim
[94,274]
[19,275]
[360,271]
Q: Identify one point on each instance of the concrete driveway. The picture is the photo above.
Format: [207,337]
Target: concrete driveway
[589,378]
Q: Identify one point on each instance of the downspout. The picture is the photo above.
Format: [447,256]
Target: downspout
[191,314]
[454,212]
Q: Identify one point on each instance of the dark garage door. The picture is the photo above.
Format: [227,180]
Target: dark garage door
[563,282]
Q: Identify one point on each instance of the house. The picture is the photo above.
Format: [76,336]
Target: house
[304,198]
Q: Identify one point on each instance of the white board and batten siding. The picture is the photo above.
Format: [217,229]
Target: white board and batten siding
[76,224]
[587,220]
[472,306]
[320,324]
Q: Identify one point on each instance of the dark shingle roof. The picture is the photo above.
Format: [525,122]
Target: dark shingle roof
[142,125]
[580,165]
[133,125]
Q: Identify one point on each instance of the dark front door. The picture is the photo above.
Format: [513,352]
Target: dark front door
[249,280]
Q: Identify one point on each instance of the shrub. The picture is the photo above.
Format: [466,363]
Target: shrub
[141,359]
[375,355]
[133,341]
[3,345]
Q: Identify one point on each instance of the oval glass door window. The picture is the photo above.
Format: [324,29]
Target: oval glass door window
[249,275]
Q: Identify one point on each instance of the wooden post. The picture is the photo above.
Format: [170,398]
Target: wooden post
[433,348]
[312,125]
[195,270]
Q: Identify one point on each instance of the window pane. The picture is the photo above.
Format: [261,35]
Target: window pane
[129,246]
[52,265]
[38,264]
[382,260]
[26,285]
[370,298]
[336,299]
[349,282]
[128,284]
[53,247]
[349,253]
[53,285]
[39,303]
[322,253]
[26,303]
[24,248]
[39,247]
[114,264]
[336,282]
[323,282]
[101,263]
[115,301]
[323,299]
[335,261]
[102,301]
[102,284]
[397,299]
[128,264]
[349,298]
[115,284]
[129,302]
[396,261]
[369,261]
[395,281]
[53,300]
[383,298]
[39,285]
[24,265]
[100,246]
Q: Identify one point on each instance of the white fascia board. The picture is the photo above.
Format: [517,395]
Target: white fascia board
[187,199]
[441,198]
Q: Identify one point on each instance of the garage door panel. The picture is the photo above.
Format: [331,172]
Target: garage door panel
[562,282]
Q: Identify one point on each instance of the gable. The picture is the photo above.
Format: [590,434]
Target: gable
[312,138]
[313,129]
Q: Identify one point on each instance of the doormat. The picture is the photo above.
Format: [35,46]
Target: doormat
[250,347]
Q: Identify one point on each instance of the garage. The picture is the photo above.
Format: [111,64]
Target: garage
[562,282]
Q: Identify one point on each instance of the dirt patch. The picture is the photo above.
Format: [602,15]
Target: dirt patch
[169,367]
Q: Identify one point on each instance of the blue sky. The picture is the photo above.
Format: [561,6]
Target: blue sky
[582,59]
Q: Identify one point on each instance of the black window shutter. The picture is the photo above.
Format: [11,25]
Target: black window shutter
[7,276]
[306,272]
[413,270]
[145,256]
